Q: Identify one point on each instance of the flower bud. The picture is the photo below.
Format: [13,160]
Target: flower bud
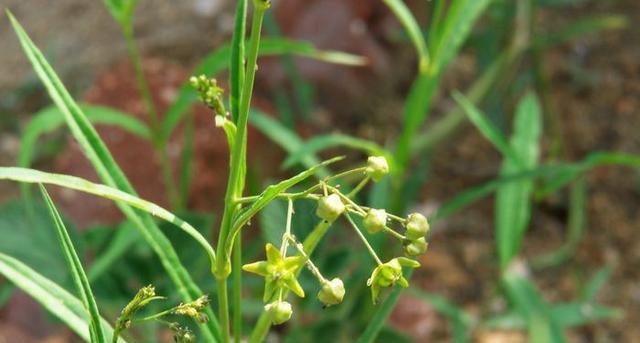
[278,311]
[377,167]
[417,226]
[416,247]
[330,207]
[375,220]
[331,292]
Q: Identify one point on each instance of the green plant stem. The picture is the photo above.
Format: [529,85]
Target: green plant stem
[235,184]
[237,289]
[223,308]
[364,239]
[159,142]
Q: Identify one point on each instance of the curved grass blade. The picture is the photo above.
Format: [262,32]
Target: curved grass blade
[488,130]
[111,174]
[217,61]
[319,143]
[51,296]
[272,192]
[410,24]
[79,184]
[77,272]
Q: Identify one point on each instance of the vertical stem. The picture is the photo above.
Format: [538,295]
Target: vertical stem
[237,172]
[223,308]
[158,141]
[237,289]
[236,81]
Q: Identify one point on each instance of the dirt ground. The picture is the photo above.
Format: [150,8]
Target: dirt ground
[594,92]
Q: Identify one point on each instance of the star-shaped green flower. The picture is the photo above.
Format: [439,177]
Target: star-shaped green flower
[388,274]
[278,271]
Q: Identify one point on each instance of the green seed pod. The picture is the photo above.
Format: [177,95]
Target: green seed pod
[330,207]
[416,247]
[331,292]
[278,311]
[417,226]
[377,167]
[375,220]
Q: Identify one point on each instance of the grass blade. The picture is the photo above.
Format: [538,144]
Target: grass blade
[271,192]
[107,169]
[51,296]
[77,272]
[319,143]
[79,184]
[486,128]
[186,162]
[410,24]
[513,200]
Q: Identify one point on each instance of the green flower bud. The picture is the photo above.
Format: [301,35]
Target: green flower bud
[377,167]
[331,292]
[417,226]
[330,207]
[416,247]
[375,220]
[388,274]
[278,311]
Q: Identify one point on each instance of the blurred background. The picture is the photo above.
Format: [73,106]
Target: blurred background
[580,58]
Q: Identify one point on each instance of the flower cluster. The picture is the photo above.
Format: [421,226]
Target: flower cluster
[281,271]
[182,334]
[210,93]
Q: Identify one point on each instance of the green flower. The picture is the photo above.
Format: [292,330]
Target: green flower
[375,220]
[331,292]
[209,92]
[194,309]
[279,272]
[278,311]
[416,247]
[417,226]
[330,207]
[377,167]
[388,274]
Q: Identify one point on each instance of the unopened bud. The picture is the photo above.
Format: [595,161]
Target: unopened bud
[330,207]
[375,220]
[278,311]
[331,292]
[416,247]
[417,226]
[377,167]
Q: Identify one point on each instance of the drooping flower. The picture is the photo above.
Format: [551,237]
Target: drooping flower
[388,274]
[377,167]
[332,292]
[279,311]
[375,220]
[416,247]
[417,226]
[330,207]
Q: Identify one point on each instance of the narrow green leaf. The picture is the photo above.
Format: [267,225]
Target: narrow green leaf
[579,28]
[543,328]
[322,142]
[217,61]
[486,128]
[272,192]
[77,271]
[107,169]
[410,24]
[460,18]
[51,296]
[595,284]
[121,10]
[79,184]
[186,162]
[513,201]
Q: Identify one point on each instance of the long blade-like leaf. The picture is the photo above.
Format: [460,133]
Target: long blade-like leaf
[79,184]
[410,24]
[272,192]
[79,276]
[107,169]
[319,143]
[51,296]
[513,201]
